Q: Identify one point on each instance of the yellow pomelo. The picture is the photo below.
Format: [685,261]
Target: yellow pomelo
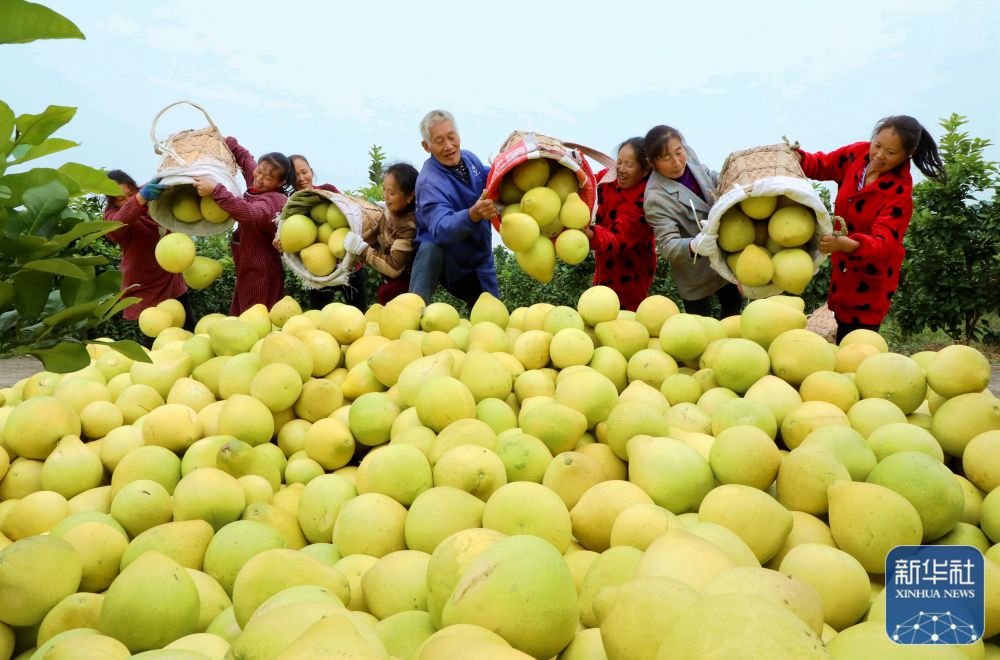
[981,460]
[683,556]
[175,252]
[336,243]
[296,233]
[519,231]
[396,583]
[589,392]
[760,207]
[597,304]
[893,377]
[744,455]
[521,588]
[763,320]
[956,421]
[793,268]
[538,260]
[449,561]
[806,528]
[631,614]
[848,446]
[904,436]
[211,211]
[574,213]
[739,363]
[808,416]
[958,369]
[630,419]
[868,520]
[318,259]
[231,336]
[474,469]
[597,509]
[71,468]
[563,180]
[400,471]
[928,485]
[736,230]
[370,524]
[247,419]
[542,204]
[34,426]
[754,267]
[805,475]
[640,524]
[529,508]
[763,629]
[792,226]
[683,337]
[839,578]
[36,573]
[80,610]
[35,513]
[797,353]
[185,205]
[335,217]
[653,311]
[831,387]
[153,321]
[752,514]
[572,246]
[627,336]
[799,598]
[610,569]
[532,173]
[152,603]
[863,336]
[652,366]
[438,513]
[868,415]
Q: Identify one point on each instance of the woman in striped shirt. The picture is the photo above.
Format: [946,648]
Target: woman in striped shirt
[259,275]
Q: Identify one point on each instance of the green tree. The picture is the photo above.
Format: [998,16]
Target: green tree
[951,275]
[51,292]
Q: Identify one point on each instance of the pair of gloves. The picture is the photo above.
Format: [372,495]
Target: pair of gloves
[152,190]
[354,244]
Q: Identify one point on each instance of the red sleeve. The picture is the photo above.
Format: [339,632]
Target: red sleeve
[829,167]
[627,230]
[328,186]
[262,208]
[886,235]
[244,159]
[128,215]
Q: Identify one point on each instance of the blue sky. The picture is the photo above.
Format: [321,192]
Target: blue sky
[330,79]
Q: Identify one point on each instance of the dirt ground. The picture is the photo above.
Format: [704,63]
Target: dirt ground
[15,369]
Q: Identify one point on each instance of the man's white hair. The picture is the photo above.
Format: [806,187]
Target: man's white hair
[431,118]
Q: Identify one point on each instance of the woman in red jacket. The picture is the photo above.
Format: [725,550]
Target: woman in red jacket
[259,275]
[623,244]
[138,236]
[355,291]
[875,201]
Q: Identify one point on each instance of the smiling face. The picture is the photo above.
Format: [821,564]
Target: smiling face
[886,151]
[127,191]
[267,177]
[445,144]
[395,199]
[672,161]
[630,170]
[303,174]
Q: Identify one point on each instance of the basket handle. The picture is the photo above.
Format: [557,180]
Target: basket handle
[600,157]
[159,146]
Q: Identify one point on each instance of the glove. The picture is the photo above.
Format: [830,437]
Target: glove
[354,244]
[152,190]
[698,245]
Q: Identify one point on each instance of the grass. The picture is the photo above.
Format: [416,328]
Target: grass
[932,340]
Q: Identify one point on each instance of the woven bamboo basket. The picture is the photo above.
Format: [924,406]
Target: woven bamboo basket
[362,216]
[823,323]
[202,149]
[744,167]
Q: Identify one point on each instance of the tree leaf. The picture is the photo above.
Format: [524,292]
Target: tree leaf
[31,292]
[6,130]
[95,228]
[107,283]
[23,181]
[21,22]
[33,129]
[128,348]
[49,146]
[44,204]
[56,267]
[73,291]
[64,357]
[90,179]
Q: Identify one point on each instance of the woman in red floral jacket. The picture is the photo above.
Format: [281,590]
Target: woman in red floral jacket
[875,201]
[259,274]
[623,245]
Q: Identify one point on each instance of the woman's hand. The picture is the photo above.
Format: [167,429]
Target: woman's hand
[830,244]
[204,186]
[276,243]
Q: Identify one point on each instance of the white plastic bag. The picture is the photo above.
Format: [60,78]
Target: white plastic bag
[799,190]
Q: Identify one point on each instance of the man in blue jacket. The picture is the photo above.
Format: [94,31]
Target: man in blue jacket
[455,245]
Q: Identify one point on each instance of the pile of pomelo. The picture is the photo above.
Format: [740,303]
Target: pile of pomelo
[549,482]
[543,217]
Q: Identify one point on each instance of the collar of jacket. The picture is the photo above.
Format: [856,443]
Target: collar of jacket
[682,193]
